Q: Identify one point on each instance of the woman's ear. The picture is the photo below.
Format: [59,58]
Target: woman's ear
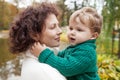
[95,35]
[36,37]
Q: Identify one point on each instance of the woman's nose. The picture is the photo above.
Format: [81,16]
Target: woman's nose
[59,30]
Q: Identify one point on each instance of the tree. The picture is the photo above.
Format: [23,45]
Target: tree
[111,14]
[63,9]
[2,13]
[7,12]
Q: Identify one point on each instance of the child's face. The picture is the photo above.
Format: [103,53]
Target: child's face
[51,33]
[78,32]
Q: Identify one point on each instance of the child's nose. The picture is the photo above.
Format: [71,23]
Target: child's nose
[72,32]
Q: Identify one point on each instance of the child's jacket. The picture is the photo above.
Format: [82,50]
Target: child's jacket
[77,62]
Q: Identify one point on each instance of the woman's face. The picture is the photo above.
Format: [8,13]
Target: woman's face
[51,33]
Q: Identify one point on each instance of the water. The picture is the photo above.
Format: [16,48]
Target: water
[10,65]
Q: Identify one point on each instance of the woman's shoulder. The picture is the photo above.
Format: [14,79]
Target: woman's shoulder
[31,68]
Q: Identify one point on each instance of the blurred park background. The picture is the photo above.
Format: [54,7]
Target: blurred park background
[108,44]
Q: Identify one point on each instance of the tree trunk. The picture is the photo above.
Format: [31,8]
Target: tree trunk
[113,36]
[119,45]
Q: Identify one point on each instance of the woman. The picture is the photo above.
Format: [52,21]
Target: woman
[36,24]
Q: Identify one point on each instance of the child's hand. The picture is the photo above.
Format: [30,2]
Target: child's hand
[37,48]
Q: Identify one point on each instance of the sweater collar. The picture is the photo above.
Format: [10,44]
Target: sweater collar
[90,41]
[29,54]
[86,42]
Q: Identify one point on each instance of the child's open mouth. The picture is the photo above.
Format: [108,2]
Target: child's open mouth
[72,39]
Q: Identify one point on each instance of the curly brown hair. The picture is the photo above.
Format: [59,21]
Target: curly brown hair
[28,24]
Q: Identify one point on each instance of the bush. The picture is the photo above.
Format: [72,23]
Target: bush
[109,67]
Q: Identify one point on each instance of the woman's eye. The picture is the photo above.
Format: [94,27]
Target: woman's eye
[53,26]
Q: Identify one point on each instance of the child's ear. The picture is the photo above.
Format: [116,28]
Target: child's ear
[95,35]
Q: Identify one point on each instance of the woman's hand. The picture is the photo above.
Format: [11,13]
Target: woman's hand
[37,48]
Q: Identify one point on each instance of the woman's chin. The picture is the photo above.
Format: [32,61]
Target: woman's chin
[55,45]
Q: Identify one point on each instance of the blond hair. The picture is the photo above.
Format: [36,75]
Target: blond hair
[90,17]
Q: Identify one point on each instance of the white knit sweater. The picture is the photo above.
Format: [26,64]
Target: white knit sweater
[32,69]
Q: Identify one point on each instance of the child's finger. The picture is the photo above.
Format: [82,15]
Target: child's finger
[38,43]
[32,47]
[44,45]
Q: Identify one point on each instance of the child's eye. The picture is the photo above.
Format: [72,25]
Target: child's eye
[79,30]
[70,28]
